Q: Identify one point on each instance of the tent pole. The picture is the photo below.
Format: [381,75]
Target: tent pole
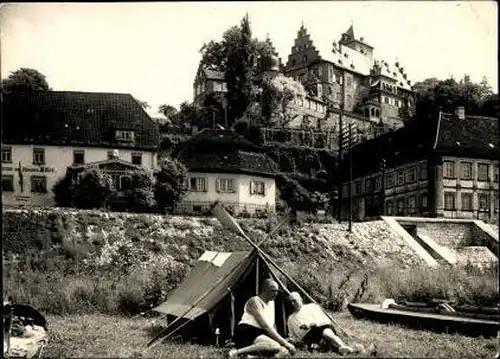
[257,276]
[311,299]
[207,292]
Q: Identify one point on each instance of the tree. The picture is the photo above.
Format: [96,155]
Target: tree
[240,72]
[63,195]
[189,115]
[25,79]
[170,184]
[143,104]
[241,58]
[168,111]
[278,96]
[92,189]
[434,95]
[140,193]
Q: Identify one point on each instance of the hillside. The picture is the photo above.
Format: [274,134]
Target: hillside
[68,261]
[100,238]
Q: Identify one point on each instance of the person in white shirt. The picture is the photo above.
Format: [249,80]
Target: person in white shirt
[308,324]
[256,332]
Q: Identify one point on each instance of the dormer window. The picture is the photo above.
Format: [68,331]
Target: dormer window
[123,135]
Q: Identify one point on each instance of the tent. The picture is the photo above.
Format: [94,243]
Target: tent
[211,298]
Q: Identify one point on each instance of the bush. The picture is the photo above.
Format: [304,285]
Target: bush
[92,189]
[170,184]
[63,192]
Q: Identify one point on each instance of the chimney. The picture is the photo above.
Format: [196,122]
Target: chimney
[460,112]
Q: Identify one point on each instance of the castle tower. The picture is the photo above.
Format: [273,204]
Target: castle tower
[349,40]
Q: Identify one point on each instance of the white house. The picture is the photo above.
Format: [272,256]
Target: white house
[224,166]
[46,132]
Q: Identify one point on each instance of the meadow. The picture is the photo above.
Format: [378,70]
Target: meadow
[91,274]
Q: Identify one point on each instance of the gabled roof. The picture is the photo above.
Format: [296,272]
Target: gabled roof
[394,72]
[349,59]
[474,136]
[224,151]
[76,119]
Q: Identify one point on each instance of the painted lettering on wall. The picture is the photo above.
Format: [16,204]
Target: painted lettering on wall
[41,169]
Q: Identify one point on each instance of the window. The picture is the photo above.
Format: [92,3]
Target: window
[401,178]
[411,175]
[349,101]
[423,202]
[496,203]
[257,187]
[137,159]
[78,157]
[422,170]
[482,172]
[401,205]
[484,202]
[378,183]
[38,184]
[389,207]
[449,200]
[495,174]
[389,180]
[412,204]
[38,156]
[6,155]
[449,169]
[357,187]
[466,170]
[368,185]
[466,201]
[197,184]
[225,185]
[348,81]
[7,183]
[124,135]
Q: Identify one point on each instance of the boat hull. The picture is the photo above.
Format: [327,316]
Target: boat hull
[430,321]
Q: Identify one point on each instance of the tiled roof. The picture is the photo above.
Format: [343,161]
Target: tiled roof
[224,151]
[394,72]
[229,162]
[76,119]
[354,61]
[474,136]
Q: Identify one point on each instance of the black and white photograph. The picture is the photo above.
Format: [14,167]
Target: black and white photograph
[250,179]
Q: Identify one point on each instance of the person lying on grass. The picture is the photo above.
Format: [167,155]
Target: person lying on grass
[256,332]
[308,324]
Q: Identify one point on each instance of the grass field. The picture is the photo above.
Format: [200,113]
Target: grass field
[113,336]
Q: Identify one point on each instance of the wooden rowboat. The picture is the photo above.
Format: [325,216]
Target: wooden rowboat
[426,319]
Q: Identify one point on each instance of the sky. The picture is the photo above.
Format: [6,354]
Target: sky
[151,49]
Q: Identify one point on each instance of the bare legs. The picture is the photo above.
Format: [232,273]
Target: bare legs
[332,338]
[261,344]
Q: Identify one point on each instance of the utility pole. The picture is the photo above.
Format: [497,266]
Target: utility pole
[341,144]
[350,177]
[382,167]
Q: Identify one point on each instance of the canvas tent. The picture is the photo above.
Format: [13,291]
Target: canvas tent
[213,295]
